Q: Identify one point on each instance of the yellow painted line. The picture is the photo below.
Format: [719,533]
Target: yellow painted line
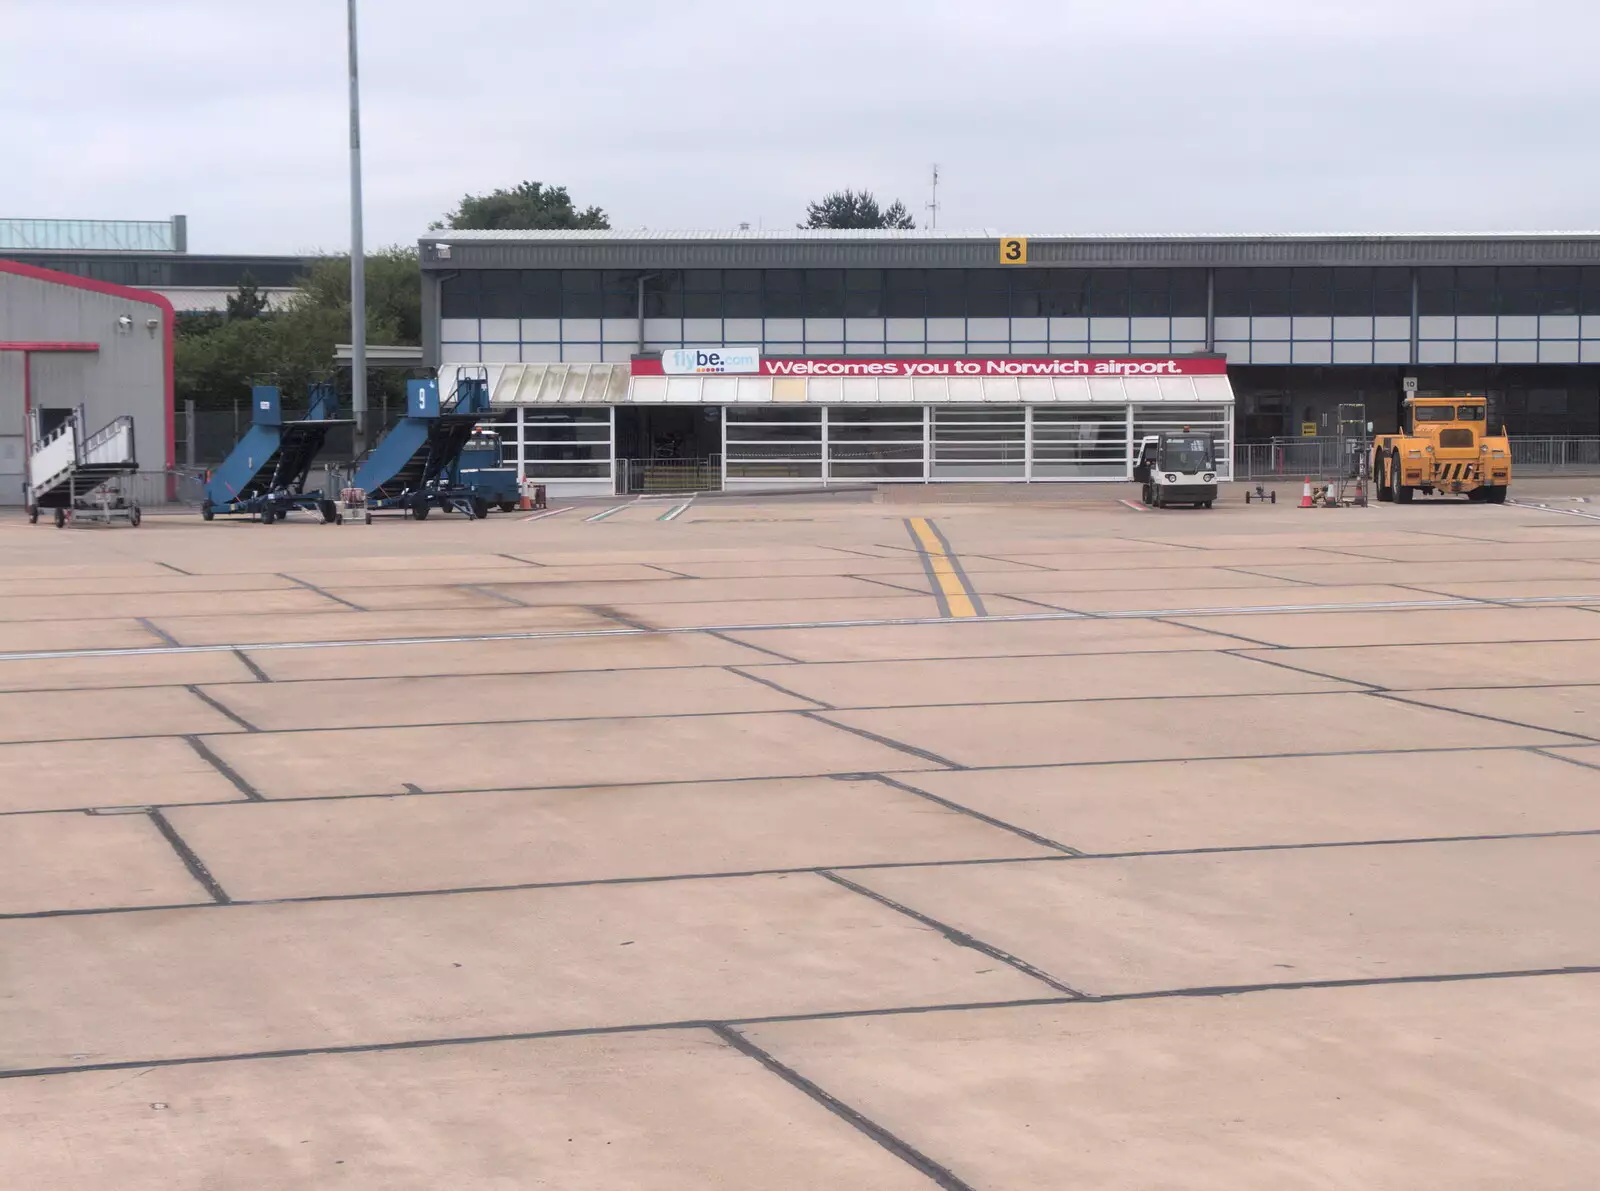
[950,584]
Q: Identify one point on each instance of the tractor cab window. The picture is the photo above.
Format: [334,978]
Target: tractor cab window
[1469,413]
[1434,413]
[1186,454]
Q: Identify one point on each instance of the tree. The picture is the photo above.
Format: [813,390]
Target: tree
[527,206]
[217,359]
[848,209]
[248,301]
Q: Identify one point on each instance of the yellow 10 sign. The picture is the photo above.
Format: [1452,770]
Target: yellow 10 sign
[1013,251]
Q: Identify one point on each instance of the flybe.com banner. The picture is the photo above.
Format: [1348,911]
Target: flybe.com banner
[692,361]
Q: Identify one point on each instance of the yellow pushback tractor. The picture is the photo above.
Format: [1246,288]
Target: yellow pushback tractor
[1448,450]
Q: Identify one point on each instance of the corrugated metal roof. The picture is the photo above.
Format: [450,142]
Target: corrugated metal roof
[693,235]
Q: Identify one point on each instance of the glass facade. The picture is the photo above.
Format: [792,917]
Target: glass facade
[1312,316]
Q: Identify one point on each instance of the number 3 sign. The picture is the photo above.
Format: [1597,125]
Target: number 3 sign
[1013,251]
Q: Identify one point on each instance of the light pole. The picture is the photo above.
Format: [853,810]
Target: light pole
[358,258]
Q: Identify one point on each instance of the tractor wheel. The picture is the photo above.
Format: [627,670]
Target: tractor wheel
[33,514]
[507,506]
[1496,495]
[1274,497]
[207,512]
[1385,491]
[1402,494]
[480,508]
[135,516]
[61,518]
[420,510]
[330,512]
[1205,504]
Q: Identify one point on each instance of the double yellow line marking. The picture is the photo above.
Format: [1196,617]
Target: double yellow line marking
[951,587]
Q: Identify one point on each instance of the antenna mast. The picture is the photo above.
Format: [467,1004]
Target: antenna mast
[933,201]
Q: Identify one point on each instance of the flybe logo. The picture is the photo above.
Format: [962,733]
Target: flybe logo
[689,360]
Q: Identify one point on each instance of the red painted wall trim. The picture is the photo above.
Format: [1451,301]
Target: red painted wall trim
[49,347]
[145,296]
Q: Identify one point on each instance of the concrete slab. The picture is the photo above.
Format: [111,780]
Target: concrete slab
[153,771]
[1147,923]
[1179,599]
[88,715]
[1433,626]
[393,702]
[1575,591]
[1182,558]
[972,638]
[1179,729]
[160,604]
[1481,1085]
[1469,551]
[508,571]
[173,669]
[807,612]
[242,979]
[1419,667]
[1432,573]
[1276,801]
[167,581]
[573,753]
[1036,680]
[634,652]
[662,1111]
[438,596]
[89,862]
[35,635]
[907,565]
[419,842]
[1570,709]
[1155,579]
[679,591]
[364,626]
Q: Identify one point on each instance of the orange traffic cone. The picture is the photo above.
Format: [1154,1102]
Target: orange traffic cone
[1305,496]
[526,503]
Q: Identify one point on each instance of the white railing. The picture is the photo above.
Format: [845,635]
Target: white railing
[53,458]
[111,444]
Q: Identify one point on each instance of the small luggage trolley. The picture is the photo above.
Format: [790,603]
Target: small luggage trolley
[82,477]
[353,508]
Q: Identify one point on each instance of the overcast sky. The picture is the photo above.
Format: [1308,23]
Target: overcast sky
[1044,115]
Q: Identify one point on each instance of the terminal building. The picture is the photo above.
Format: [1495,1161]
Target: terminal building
[816,357]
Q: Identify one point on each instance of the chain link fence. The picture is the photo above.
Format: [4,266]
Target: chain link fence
[1330,457]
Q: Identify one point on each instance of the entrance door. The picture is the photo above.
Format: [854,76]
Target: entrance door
[669,448]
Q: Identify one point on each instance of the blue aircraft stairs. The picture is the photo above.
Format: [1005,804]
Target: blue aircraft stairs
[265,474]
[416,467]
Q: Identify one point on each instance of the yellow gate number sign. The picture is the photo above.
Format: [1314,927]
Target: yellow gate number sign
[1013,251]
[1308,429]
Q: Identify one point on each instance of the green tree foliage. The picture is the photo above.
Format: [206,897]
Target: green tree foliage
[531,205]
[248,301]
[849,209]
[217,358]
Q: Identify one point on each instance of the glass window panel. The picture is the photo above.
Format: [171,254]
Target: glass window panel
[1069,293]
[741,304]
[1352,292]
[784,470]
[1436,292]
[774,432]
[1591,290]
[824,293]
[743,281]
[1188,287]
[947,293]
[556,469]
[784,291]
[903,293]
[1475,291]
[499,294]
[580,293]
[1558,289]
[541,293]
[1391,293]
[1311,292]
[1270,292]
[552,452]
[619,304]
[458,296]
[700,304]
[704,280]
[774,413]
[863,279]
[775,450]
[1232,293]
[1518,288]
[875,413]
[1108,293]
[863,304]
[1149,293]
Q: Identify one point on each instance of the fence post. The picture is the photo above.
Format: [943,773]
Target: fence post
[188,434]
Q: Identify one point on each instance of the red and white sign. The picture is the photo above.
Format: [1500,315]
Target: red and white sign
[957,366]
